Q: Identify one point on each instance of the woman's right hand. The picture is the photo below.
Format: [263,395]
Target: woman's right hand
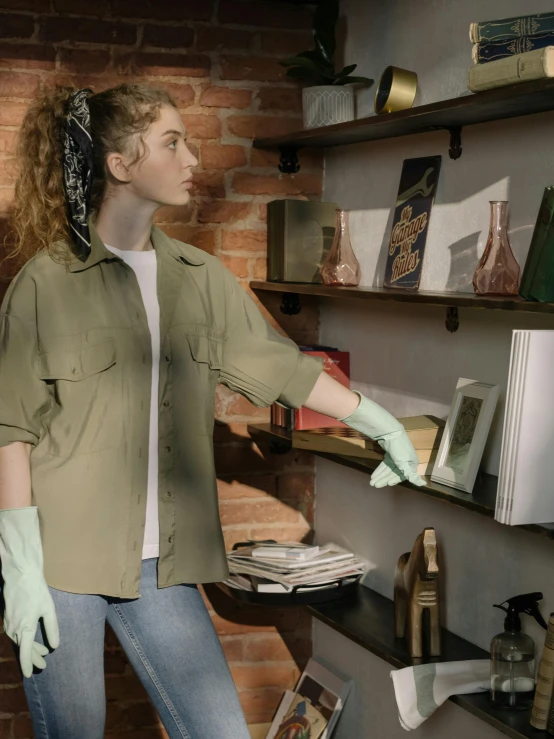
[26,595]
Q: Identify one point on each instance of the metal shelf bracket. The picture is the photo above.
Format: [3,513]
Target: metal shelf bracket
[289,159]
[290,304]
[452,322]
[455,150]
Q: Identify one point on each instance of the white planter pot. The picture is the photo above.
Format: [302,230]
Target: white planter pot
[323,105]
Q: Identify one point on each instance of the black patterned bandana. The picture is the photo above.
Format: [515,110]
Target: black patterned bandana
[77,170]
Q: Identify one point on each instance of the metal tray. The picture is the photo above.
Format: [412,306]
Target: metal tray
[294,598]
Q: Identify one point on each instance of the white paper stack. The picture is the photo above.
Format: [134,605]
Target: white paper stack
[275,575]
[526,477]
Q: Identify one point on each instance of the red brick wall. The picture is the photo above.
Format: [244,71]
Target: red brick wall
[219,61]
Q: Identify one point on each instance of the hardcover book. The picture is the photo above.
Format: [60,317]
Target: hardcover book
[532,65]
[541,249]
[299,236]
[425,433]
[416,193]
[489,52]
[506,28]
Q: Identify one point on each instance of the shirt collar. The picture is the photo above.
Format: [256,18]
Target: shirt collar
[163,244]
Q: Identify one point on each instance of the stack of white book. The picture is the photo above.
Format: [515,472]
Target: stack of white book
[525,492]
[278,568]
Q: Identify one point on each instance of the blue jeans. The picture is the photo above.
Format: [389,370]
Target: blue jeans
[169,639]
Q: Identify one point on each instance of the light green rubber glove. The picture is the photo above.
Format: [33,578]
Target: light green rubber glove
[401,460]
[26,594]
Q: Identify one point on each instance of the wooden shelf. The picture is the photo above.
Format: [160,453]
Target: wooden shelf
[369,621]
[424,297]
[493,105]
[482,500]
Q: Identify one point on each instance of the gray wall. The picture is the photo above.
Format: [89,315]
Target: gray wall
[404,358]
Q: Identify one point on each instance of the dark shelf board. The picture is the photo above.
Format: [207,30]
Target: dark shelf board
[493,105]
[424,297]
[482,500]
[368,620]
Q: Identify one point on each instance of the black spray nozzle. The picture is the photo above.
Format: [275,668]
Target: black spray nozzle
[526,603]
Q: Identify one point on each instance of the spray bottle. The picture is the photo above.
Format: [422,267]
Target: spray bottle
[513,656]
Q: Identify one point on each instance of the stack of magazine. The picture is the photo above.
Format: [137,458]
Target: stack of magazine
[280,567]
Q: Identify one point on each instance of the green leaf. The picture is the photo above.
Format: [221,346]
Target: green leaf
[325,19]
[316,57]
[360,80]
[346,71]
[303,73]
[301,61]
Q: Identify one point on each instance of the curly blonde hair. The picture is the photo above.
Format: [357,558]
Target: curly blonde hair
[119,117]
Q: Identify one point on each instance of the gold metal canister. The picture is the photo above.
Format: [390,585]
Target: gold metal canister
[396,90]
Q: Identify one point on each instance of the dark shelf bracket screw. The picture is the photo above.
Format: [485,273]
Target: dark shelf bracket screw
[290,304]
[452,323]
[289,159]
[455,150]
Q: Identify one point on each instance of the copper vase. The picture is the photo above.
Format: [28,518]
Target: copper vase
[340,266]
[498,272]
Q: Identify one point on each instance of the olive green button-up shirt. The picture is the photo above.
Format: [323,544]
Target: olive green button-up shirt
[75,374]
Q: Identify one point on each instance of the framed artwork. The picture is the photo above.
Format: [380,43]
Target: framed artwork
[465,434]
[416,193]
[313,708]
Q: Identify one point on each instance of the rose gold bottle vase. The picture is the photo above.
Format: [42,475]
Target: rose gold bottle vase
[340,266]
[498,272]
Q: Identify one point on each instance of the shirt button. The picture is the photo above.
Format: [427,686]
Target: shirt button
[168,494]
[170,539]
[168,358]
[168,449]
[74,370]
[166,403]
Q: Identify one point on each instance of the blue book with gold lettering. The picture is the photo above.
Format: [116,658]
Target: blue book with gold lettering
[483,53]
[416,193]
[506,28]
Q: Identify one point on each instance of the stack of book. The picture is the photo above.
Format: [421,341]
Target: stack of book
[537,282]
[280,567]
[424,432]
[511,50]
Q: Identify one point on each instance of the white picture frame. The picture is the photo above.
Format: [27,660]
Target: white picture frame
[465,434]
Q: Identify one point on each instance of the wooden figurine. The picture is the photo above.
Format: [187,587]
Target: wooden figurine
[416,588]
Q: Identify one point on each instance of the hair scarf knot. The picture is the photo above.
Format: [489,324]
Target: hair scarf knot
[77,169]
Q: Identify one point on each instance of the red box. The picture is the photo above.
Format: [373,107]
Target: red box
[336,364]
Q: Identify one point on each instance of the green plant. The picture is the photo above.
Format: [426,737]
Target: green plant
[317,65]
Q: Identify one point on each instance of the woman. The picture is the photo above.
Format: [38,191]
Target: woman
[112,339]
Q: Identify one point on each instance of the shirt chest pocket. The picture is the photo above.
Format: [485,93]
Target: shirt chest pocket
[77,364]
[206,349]
[87,412]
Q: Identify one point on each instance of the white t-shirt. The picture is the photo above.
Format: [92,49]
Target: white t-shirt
[144,265]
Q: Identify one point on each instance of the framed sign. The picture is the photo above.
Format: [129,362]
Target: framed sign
[418,183]
[465,434]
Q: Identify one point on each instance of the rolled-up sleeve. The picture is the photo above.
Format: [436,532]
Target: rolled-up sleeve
[23,395]
[258,362]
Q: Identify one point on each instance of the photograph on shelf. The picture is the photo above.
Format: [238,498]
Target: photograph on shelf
[313,708]
[465,434]
[416,193]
